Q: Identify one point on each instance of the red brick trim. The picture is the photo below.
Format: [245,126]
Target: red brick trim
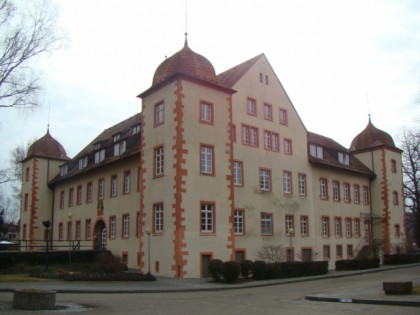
[385,211]
[34,204]
[180,152]
[142,189]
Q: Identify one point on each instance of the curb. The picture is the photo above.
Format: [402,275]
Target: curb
[362,301]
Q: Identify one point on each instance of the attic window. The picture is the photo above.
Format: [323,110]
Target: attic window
[99,156]
[63,170]
[135,129]
[343,158]
[316,151]
[97,146]
[83,162]
[116,137]
[119,148]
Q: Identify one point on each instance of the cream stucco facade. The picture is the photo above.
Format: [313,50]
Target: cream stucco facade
[218,167]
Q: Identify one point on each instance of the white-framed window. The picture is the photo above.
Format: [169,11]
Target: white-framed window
[357,227]
[365,195]
[265,179]
[135,129]
[283,116]
[62,199]
[78,230]
[346,192]
[339,251]
[268,112]
[349,251]
[302,184]
[101,189]
[126,225]
[206,113]
[288,146]
[88,232]
[271,141]
[336,191]
[356,194]
[79,195]
[304,226]
[323,188]
[289,224]
[83,162]
[316,151]
[395,197]
[116,137]
[112,227]
[207,218]
[63,169]
[337,225]
[159,114]
[250,135]
[266,223]
[206,160]
[348,227]
[113,185]
[239,222]
[159,161]
[99,156]
[325,226]
[251,108]
[237,173]
[71,197]
[158,218]
[343,158]
[127,182]
[89,192]
[287,182]
[119,148]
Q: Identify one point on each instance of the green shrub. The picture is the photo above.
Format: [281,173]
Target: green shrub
[215,269]
[246,268]
[230,271]
[259,270]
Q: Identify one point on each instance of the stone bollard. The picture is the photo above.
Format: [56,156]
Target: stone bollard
[398,287]
[33,299]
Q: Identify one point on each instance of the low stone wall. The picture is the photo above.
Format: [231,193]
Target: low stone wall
[32,299]
[398,287]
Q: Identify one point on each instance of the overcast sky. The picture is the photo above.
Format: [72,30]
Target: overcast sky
[337,60]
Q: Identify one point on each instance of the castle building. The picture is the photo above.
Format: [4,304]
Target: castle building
[215,166]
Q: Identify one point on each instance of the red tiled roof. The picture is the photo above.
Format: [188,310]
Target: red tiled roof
[371,137]
[47,147]
[330,158]
[229,77]
[188,63]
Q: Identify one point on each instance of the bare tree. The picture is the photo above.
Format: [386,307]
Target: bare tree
[410,143]
[13,172]
[271,253]
[26,31]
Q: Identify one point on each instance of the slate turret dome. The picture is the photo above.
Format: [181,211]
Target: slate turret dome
[47,147]
[371,137]
[188,63]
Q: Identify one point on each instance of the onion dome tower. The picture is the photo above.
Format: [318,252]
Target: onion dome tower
[47,147]
[371,137]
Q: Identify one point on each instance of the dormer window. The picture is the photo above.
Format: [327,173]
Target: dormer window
[63,169]
[99,156]
[135,129]
[83,162]
[343,158]
[116,137]
[119,148]
[316,151]
[97,146]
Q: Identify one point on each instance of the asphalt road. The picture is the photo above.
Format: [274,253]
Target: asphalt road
[276,299]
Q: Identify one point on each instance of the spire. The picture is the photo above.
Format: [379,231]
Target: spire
[186,40]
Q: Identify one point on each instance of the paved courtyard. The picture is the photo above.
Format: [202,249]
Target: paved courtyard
[280,298]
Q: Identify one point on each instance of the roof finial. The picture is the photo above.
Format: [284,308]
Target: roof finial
[186,24]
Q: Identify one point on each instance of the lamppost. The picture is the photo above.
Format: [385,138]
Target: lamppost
[46,224]
[291,231]
[147,230]
[69,234]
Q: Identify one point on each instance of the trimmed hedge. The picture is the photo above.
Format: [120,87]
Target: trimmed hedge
[230,271]
[260,270]
[401,259]
[293,269]
[356,264]
[215,269]
[246,268]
